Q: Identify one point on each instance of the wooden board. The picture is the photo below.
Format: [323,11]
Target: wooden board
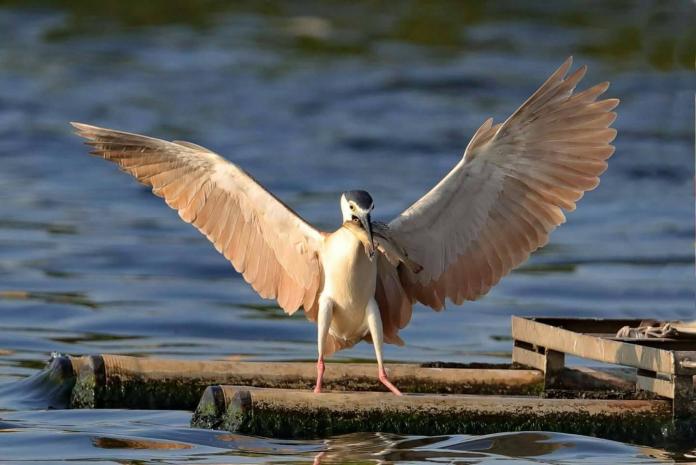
[592,347]
[303,414]
[115,381]
[665,366]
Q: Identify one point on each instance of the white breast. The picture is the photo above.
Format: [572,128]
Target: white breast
[350,278]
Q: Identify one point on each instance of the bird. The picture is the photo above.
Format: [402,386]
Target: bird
[496,206]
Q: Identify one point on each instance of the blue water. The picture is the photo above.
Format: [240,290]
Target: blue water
[314,99]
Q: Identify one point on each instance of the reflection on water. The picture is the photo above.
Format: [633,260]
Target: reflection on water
[126,443]
[162,436]
[312,98]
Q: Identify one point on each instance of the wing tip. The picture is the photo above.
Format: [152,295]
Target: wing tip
[582,71]
[82,126]
[602,87]
[567,63]
[84,130]
[611,103]
[563,69]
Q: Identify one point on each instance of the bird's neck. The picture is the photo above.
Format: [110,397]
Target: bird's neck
[358,232]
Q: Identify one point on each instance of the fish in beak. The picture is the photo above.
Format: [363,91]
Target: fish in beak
[356,206]
[362,218]
[367,225]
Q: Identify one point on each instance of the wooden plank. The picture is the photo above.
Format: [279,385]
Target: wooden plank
[550,362]
[131,382]
[577,378]
[528,358]
[593,348]
[555,362]
[300,414]
[688,345]
[681,389]
[589,325]
[661,387]
[110,381]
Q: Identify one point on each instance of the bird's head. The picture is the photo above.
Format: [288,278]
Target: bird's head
[356,207]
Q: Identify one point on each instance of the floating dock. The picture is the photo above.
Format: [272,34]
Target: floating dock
[665,366]
[117,381]
[287,413]
[276,400]
[647,400]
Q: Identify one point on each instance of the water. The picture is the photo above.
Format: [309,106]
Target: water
[313,99]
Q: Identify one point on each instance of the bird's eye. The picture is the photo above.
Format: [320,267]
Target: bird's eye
[352,207]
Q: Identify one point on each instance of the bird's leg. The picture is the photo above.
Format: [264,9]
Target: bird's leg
[374,322]
[323,323]
[320,374]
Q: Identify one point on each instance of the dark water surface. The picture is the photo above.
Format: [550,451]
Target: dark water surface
[313,99]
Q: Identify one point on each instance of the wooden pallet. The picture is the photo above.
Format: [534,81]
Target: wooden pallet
[117,381]
[665,366]
[292,413]
[275,398]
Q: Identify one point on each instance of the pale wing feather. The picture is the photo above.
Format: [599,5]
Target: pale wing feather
[395,306]
[275,250]
[506,195]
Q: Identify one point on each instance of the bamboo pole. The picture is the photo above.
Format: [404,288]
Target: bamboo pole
[288,413]
[115,381]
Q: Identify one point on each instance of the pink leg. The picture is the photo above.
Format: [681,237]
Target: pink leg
[317,459]
[320,374]
[374,322]
[384,380]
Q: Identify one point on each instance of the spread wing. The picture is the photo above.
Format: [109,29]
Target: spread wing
[275,250]
[505,196]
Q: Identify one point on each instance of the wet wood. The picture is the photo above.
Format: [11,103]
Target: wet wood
[303,414]
[591,347]
[662,369]
[116,381]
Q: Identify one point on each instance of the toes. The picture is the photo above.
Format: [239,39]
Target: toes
[393,389]
[384,380]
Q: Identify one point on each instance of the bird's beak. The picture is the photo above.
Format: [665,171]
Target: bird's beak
[367,225]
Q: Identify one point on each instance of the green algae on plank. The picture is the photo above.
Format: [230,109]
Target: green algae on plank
[209,413]
[94,389]
[303,415]
[89,375]
[175,394]
[273,421]
[83,393]
[111,381]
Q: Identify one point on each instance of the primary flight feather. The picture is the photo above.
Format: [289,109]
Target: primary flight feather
[494,208]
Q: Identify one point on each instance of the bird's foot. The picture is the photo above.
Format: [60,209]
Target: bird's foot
[320,375]
[384,380]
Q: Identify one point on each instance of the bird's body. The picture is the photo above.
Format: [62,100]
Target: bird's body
[497,205]
[350,278]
